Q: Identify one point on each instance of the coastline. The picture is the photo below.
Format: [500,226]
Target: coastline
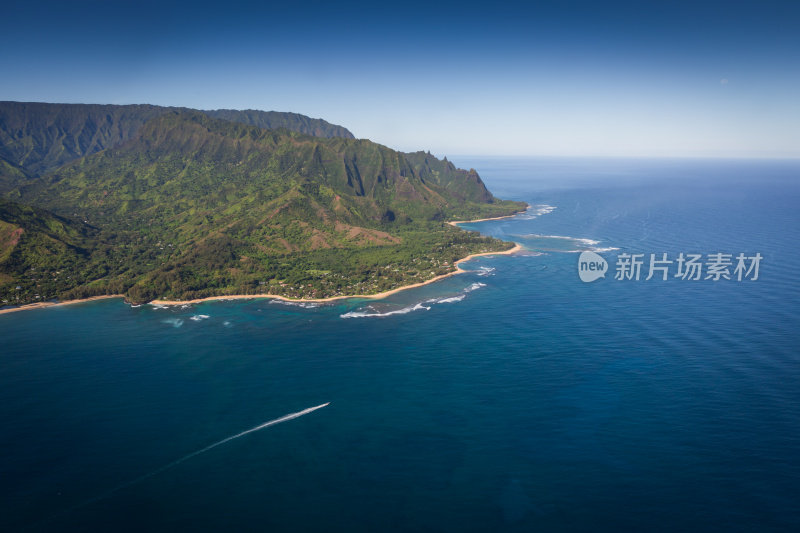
[41,305]
[517,247]
[458,270]
[457,222]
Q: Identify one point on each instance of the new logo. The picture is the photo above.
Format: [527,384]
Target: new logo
[591,266]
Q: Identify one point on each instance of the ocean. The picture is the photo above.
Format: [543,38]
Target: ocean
[514,397]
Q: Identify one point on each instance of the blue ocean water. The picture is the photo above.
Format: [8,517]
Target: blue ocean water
[511,398]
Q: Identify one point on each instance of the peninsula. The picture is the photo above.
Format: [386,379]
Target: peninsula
[173,204]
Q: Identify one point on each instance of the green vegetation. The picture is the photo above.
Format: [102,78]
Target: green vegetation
[191,206]
[37,138]
[41,254]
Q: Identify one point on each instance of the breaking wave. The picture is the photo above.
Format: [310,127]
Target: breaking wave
[450,300]
[559,243]
[304,305]
[485,271]
[475,286]
[370,311]
[374,313]
[535,211]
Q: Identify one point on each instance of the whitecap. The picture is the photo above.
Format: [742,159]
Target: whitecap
[198,318]
[304,305]
[374,313]
[562,243]
[175,322]
[450,300]
[371,311]
[535,211]
[457,298]
[475,286]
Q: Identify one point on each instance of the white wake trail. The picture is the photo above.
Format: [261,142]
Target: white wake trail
[285,418]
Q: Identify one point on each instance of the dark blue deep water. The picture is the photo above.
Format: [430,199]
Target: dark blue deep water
[511,398]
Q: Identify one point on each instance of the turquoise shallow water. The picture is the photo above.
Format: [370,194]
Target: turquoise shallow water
[513,398]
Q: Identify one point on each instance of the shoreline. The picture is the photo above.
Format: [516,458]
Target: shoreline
[377,296]
[517,247]
[42,305]
[457,222]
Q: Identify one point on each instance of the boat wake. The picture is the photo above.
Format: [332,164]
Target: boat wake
[285,418]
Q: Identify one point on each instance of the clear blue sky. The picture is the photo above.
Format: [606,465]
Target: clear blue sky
[541,78]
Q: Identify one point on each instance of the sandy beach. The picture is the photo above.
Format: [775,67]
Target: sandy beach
[458,270]
[40,305]
[457,222]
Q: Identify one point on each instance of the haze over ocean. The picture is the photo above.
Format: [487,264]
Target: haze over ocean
[514,397]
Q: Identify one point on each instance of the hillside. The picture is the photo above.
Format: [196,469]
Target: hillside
[11,175]
[192,206]
[40,253]
[37,138]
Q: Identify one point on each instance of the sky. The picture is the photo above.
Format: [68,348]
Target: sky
[568,78]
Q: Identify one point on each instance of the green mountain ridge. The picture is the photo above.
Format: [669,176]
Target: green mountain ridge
[192,206]
[37,138]
[271,120]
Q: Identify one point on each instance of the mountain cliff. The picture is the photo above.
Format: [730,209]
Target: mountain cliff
[273,120]
[36,138]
